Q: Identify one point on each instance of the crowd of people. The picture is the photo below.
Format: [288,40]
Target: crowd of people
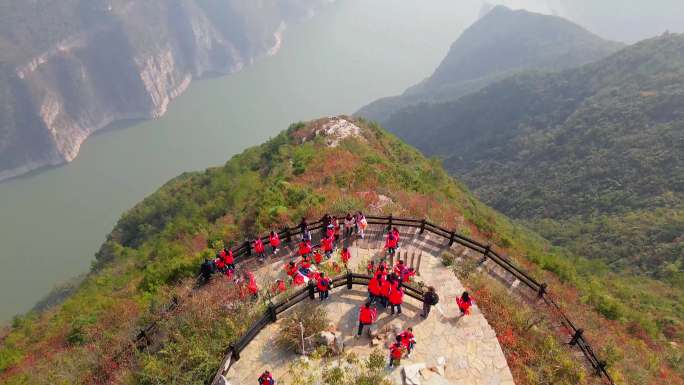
[385,287]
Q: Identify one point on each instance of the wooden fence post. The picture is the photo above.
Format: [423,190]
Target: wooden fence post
[288,236]
[542,290]
[234,353]
[248,247]
[350,282]
[420,256]
[312,290]
[576,337]
[452,238]
[271,312]
[389,226]
[600,367]
[422,226]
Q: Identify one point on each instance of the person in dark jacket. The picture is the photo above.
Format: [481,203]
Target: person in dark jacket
[430,299]
[206,270]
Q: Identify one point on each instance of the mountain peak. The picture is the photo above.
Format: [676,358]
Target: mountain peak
[501,43]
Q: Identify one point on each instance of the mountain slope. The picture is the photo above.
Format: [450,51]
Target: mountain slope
[592,157]
[321,166]
[70,68]
[502,42]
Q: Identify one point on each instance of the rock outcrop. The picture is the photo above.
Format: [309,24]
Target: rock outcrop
[123,59]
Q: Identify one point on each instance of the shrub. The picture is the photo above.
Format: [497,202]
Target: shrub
[302,323]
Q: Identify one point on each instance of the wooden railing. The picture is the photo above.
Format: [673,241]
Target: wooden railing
[243,254]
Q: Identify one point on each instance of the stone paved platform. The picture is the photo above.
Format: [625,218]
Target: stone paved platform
[468,343]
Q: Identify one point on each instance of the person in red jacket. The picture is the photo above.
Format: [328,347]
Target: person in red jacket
[396,352]
[395,232]
[266,379]
[220,264]
[304,248]
[464,303]
[382,268]
[274,240]
[386,289]
[290,269]
[259,249]
[305,263]
[396,297]
[370,268]
[367,316]
[408,340]
[279,287]
[323,285]
[317,257]
[375,289]
[229,259]
[346,256]
[400,268]
[330,231]
[327,245]
[336,227]
[391,244]
[252,285]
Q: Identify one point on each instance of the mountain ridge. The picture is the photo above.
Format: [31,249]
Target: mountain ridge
[501,43]
[601,139]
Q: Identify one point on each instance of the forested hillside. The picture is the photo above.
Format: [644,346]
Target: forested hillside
[592,158]
[154,252]
[501,43]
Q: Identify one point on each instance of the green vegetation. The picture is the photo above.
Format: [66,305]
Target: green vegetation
[351,370]
[591,157]
[155,249]
[301,324]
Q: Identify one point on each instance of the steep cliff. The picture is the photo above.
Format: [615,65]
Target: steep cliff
[70,68]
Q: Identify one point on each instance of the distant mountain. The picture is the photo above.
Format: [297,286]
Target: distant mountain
[501,43]
[69,68]
[593,157]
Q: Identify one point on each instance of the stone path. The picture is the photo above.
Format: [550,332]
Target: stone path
[469,344]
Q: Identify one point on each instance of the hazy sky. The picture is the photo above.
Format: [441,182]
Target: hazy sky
[623,20]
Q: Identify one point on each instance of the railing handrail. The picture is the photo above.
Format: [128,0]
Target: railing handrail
[243,254]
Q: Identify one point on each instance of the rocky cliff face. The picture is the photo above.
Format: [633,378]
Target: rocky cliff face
[124,59]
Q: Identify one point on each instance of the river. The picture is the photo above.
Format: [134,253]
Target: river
[349,54]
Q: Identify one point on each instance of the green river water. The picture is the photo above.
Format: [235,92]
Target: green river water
[350,53]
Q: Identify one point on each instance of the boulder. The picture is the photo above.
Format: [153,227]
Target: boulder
[327,339]
[396,328]
[440,365]
[411,373]
[223,381]
[427,373]
[373,331]
[437,380]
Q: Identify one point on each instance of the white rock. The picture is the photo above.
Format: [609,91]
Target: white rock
[438,380]
[441,365]
[396,328]
[412,373]
[327,338]
[223,381]
[373,331]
